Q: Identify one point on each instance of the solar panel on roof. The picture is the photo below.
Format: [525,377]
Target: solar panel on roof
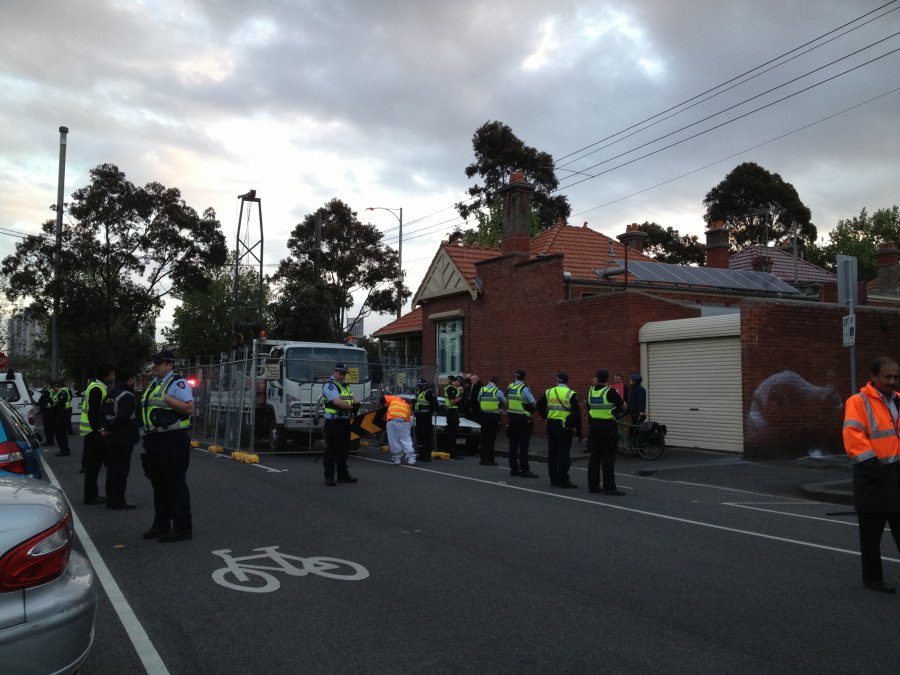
[709,276]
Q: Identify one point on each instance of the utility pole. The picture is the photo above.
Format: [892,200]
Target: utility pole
[57,254]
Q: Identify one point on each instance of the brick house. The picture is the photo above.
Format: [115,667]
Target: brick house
[734,357]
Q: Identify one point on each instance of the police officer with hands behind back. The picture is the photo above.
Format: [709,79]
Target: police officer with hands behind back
[520,404]
[166,408]
[604,407]
[559,406]
[426,407]
[339,407]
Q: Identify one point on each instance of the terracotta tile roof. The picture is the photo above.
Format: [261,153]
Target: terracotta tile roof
[408,323]
[584,249]
[783,265]
[465,257]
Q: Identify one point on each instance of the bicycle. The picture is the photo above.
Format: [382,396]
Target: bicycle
[236,568]
[647,439]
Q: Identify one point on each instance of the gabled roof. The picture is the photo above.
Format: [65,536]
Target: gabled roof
[584,250]
[784,265]
[452,271]
[407,324]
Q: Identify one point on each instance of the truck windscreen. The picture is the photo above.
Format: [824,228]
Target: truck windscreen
[315,364]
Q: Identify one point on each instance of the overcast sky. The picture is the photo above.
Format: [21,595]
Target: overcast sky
[375,102]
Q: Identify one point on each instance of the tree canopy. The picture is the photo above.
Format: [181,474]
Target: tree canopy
[315,286]
[859,236]
[499,152]
[667,245]
[124,250]
[759,207]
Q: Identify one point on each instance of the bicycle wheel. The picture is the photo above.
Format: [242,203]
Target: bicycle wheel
[224,576]
[335,568]
[653,446]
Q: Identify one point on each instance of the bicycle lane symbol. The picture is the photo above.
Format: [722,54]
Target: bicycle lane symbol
[241,573]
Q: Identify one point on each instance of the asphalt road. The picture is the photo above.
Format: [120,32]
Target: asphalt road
[456,567]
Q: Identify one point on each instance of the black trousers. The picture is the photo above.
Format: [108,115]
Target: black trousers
[490,425]
[118,465]
[559,447]
[337,447]
[49,429]
[519,442]
[424,437]
[169,454]
[61,433]
[452,417]
[92,462]
[871,529]
[603,437]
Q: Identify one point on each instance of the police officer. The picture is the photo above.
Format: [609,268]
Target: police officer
[45,406]
[604,407]
[452,401]
[166,408]
[339,407]
[426,407]
[121,432]
[520,405]
[89,426]
[559,406]
[491,401]
[60,402]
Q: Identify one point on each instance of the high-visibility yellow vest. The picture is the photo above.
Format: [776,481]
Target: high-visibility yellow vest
[599,406]
[422,404]
[488,398]
[516,399]
[156,415]
[84,425]
[559,403]
[346,397]
[451,391]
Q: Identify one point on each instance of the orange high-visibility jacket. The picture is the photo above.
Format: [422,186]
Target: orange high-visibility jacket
[869,429]
[398,408]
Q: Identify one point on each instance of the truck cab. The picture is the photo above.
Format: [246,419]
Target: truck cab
[15,391]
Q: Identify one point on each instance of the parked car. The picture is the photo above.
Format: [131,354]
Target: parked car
[468,434]
[15,391]
[20,446]
[48,590]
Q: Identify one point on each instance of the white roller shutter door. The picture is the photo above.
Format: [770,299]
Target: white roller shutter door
[694,388]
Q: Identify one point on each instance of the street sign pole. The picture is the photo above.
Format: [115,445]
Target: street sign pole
[847,284]
[852,323]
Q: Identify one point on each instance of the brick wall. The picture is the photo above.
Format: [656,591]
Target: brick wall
[797,373]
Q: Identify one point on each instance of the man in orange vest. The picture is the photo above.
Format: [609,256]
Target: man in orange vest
[397,420]
[873,443]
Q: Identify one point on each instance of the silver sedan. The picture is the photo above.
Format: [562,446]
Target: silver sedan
[48,590]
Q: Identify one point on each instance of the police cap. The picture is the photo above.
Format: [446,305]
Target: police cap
[422,382]
[602,375]
[562,377]
[340,367]
[163,356]
[520,374]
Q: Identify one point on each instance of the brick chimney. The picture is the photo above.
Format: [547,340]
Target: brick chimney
[888,260]
[717,247]
[762,263]
[516,216]
[633,237]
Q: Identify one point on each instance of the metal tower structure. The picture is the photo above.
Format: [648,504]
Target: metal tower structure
[246,311]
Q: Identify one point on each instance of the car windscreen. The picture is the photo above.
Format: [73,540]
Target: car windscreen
[9,391]
[315,364]
[14,427]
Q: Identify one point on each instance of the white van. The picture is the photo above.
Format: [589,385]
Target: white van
[14,390]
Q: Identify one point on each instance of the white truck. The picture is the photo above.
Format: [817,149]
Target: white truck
[284,387]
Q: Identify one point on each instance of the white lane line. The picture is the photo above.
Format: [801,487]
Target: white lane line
[662,516]
[258,466]
[788,513]
[147,653]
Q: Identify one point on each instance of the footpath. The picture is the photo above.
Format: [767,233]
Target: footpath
[826,478]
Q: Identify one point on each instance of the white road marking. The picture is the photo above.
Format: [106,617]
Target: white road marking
[662,516]
[147,653]
[751,506]
[258,466]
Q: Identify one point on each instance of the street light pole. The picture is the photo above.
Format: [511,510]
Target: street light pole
[399,252]
[60,188]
